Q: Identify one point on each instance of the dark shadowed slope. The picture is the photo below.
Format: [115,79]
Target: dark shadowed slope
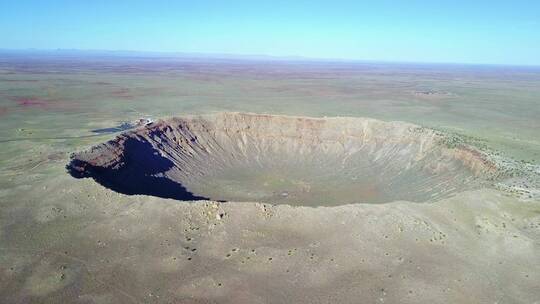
[138,173]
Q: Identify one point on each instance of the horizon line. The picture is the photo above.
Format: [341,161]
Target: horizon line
[254,57]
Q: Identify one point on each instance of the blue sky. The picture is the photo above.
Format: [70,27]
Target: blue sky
[472,31]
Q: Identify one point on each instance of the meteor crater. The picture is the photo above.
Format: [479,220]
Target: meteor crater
[276,159]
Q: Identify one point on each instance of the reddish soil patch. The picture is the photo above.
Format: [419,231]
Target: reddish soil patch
[42,103]
[3,111]
[31,102]
[122,93]
[19,80]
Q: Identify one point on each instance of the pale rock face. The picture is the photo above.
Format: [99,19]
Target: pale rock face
[284,160]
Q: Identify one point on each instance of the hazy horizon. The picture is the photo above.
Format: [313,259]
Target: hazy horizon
[235,56]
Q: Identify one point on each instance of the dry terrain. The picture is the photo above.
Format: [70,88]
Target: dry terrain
[353,183]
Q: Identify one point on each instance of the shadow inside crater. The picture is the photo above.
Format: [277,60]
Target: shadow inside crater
[140,172]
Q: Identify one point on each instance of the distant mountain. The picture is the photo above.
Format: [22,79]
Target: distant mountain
[139,54]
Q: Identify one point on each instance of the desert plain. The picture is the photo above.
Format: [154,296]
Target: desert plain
[310,181]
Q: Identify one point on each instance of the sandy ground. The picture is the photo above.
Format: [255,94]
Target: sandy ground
[66,240]
[97,246]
